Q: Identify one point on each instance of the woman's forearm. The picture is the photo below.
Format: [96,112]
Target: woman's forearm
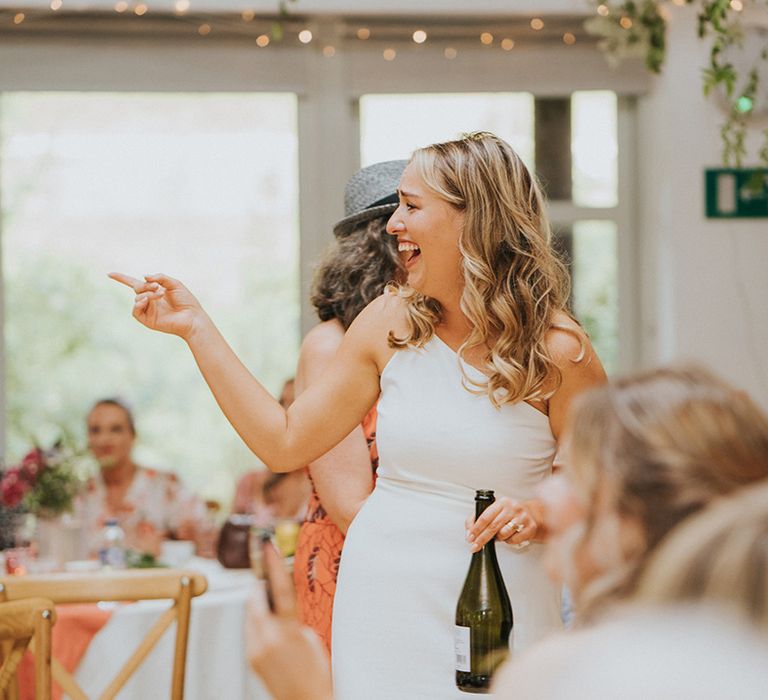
[256,416]
[283,440]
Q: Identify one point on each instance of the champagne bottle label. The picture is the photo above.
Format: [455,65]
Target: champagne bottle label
[461,646]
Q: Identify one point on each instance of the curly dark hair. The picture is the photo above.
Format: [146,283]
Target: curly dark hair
[355,271]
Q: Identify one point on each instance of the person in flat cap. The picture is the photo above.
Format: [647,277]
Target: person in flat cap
[361,261]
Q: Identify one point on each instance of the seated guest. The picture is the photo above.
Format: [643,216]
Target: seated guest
[150,505]
[642,455]
[269,496]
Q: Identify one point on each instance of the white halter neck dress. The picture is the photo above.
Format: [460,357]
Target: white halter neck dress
[405,556]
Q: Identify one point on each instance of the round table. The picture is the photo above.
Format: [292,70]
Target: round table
[216,664]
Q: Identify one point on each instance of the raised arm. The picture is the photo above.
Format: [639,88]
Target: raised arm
[284,440]
[342,477]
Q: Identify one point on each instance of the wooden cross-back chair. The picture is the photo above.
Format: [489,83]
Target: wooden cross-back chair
[21,622]
[132,585]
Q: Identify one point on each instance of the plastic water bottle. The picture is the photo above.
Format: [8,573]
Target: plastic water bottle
[112,545]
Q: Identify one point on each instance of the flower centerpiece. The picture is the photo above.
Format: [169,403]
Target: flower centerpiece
[45,482]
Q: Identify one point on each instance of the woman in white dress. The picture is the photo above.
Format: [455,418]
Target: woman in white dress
[476,360]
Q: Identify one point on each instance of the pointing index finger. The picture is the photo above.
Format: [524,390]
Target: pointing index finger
[127,280]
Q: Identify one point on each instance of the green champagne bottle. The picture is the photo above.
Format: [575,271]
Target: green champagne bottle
[483,616]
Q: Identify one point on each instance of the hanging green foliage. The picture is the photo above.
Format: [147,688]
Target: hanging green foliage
[637,28]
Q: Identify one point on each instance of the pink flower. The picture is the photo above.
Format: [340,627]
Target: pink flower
[13,488]
[34,456]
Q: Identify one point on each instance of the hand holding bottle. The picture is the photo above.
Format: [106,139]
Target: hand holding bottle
[514,522]
[164,304]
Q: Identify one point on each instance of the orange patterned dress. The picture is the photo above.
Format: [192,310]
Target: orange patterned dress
[318,553]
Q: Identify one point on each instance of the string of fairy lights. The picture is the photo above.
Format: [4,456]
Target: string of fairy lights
[388,35]
[626,22]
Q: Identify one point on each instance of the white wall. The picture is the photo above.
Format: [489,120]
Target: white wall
[704,282]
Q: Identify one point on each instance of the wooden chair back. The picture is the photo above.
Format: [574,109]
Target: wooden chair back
[132,585]
[21,622]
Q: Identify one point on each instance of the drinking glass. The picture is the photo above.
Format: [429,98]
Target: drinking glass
[256,539]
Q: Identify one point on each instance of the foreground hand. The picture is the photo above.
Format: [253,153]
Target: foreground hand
[514,522]
[163,304]
[288,657]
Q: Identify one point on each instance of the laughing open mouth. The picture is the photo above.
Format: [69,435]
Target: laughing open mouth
[410,251]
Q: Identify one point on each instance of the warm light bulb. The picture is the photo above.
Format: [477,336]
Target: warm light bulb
[737,5]
[140,9]
[625,22]
[181,6]
[204,29]
[121,6]
[537,24]
[56,5]
[603,10]
[305,36]
[507,44]
[363,33]
[450,53]
[419,36]
[18,18]
[486,38]
[247,15]
[569,39]
[329,51]
[389,54]
[262,40]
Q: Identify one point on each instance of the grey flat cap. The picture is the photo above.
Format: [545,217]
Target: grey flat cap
[370,193]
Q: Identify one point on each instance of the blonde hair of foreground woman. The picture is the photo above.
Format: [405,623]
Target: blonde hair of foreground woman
[645,453]
[720,555]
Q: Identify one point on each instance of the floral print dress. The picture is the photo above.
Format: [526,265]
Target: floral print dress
[155,498]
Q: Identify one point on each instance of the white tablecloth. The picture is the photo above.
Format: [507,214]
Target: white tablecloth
[216,665]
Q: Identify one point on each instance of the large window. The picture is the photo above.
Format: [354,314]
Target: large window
[200,186]
[393,126]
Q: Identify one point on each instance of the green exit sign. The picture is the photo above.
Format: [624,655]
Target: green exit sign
[737,193]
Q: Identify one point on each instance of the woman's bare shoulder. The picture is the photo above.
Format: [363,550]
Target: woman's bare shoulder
[323,340]
[579,366]
[567,342]
[384,315]
[318,348]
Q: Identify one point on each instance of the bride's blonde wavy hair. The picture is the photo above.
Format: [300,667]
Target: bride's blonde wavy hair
[514,283]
